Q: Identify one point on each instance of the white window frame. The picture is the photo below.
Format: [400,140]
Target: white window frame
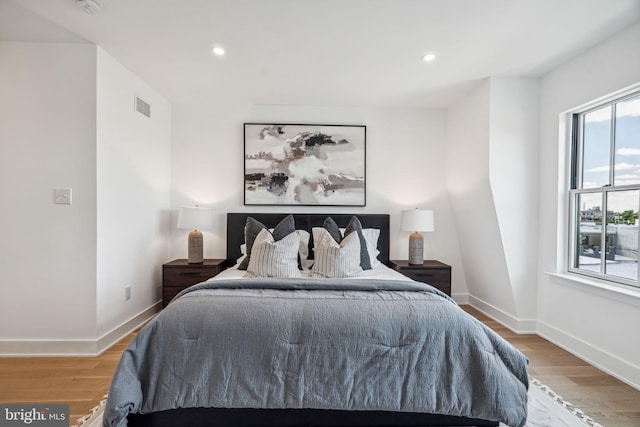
[575,182]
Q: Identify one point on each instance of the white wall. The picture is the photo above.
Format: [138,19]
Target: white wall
[67,121]
[133,194]
[467,181]
[513,174]
[491,178]
[599,325]
[47,141]
[404,153]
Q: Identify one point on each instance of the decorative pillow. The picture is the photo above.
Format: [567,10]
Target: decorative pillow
[371,235]
[333,259]
[304,262]
[274,258]
[303,251]
[353,225]
[253,227]
[333,229]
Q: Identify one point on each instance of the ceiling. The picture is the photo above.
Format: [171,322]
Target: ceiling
[324,52]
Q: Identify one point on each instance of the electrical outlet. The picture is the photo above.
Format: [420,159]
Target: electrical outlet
[127,293]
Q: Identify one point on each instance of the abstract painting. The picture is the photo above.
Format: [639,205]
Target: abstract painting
[307,165]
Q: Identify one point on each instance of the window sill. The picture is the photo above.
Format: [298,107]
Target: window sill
[622,293]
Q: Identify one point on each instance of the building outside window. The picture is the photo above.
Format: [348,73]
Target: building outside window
[605,191]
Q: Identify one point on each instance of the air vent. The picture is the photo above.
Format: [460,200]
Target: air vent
[143,107]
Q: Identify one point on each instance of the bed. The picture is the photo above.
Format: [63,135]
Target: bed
[371,349]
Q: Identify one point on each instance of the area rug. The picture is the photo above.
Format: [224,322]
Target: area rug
[546,409]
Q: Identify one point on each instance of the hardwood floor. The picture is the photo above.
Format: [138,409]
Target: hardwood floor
[607,400]
[82,382]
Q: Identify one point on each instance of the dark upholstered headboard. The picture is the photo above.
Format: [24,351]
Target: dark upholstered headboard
[236,222]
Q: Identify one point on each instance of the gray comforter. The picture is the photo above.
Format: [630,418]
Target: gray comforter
[324,344]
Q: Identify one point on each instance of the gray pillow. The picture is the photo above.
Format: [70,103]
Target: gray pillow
[355,225]
[253,227]
[333,229]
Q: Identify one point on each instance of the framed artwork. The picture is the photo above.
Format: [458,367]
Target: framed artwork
[305,165]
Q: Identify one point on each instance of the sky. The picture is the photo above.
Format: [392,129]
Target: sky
[597,151]
[597,154]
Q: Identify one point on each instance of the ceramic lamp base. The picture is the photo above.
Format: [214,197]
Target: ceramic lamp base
[195,248]
[416,245]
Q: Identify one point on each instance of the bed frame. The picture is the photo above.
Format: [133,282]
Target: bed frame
[242,417]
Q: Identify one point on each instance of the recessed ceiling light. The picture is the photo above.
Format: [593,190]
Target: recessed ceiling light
[218,51]
[92,7]
[429,57]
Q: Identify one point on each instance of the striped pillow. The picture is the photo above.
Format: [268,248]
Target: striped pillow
[333,259]
[252,228]
[339,233]
[271,258]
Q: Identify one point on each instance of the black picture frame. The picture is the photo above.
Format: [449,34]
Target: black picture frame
[304,164]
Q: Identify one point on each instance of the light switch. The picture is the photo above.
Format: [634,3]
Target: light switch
[62,196]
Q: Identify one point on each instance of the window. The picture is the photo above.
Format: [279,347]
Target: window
[605,191]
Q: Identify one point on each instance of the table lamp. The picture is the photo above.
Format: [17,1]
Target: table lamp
[416,220]
[195,219]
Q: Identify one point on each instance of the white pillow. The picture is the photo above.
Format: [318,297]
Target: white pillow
[274,259]
[371,235]
[303,250]
[333,259]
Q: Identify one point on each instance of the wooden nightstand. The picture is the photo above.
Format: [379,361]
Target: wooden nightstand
[431,272]
[179,274]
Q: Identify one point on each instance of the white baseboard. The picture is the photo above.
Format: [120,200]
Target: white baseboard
[601,359]
[116,334]
[519,326]
[461,298]
[612,365]
[76,348]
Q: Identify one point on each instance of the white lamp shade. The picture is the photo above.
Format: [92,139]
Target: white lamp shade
[195,218]
[417,220]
